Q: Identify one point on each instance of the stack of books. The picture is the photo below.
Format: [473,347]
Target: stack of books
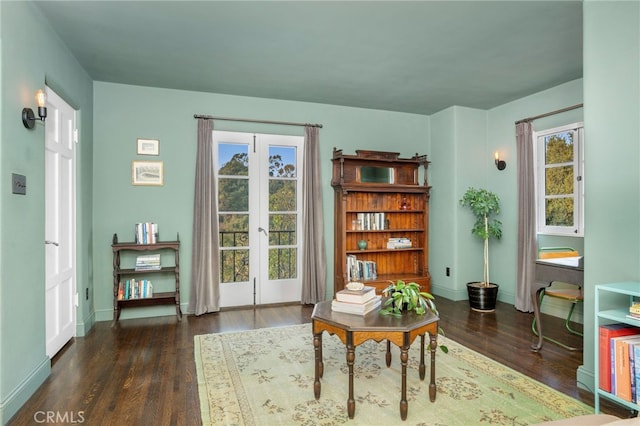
[359,302]
[634,311]
[398,243]
[149,262]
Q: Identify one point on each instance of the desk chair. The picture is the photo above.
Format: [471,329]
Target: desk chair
[573,295]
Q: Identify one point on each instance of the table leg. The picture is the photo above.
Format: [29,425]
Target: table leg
[404,357]
[536,312]
[388,355]
[351,402]
[422,367]
[317,346]
[433,344]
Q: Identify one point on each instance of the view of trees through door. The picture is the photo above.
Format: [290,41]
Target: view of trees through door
[259,185]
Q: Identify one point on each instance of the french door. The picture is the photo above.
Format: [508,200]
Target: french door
[259,184]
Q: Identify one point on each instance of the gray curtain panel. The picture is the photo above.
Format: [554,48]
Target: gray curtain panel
[314,262]
[527,245]
[205,270]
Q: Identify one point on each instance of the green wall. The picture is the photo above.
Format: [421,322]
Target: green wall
[124,113]
[612,154]
[463,141]
[459,141]
[31,54]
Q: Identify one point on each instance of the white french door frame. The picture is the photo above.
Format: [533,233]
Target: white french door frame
[259,289]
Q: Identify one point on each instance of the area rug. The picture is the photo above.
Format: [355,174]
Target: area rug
[265,377]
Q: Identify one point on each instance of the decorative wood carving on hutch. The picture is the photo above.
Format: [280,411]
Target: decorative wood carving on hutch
[378,200]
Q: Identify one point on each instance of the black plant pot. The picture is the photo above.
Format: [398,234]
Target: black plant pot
[482,299]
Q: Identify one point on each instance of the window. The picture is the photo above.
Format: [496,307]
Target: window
[560,189]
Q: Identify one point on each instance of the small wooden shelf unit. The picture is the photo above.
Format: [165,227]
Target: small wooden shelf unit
[379,185]
[158,298]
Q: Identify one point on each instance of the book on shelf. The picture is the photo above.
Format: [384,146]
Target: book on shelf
[150,262]
[135,289]
[636,371]
[360,270]
[356,308]
[146,233]
[605,334]
[356,296]
[398,243]
[372,221]
[622,383]
[632,370]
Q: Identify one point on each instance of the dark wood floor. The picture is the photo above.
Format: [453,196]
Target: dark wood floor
[143,372]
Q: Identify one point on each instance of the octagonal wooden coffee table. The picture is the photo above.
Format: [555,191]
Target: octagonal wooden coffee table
[354,330]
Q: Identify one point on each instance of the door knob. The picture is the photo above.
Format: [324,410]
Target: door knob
[51,242]
[261,229]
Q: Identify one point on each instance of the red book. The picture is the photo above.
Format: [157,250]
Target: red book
[606,333]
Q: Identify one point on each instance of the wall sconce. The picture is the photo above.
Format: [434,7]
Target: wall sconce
[28,117]
[500,164]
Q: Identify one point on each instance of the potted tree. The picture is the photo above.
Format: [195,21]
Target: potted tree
[484,205]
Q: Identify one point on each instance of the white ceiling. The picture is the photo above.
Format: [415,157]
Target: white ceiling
[414,56]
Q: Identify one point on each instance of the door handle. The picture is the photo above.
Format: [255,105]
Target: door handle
[261,229]
[51,242]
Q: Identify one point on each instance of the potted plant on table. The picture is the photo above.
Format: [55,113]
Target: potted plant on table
[406,297]
[484,205]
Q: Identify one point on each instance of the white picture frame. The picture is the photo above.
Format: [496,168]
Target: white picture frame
[147,173]
[148,147]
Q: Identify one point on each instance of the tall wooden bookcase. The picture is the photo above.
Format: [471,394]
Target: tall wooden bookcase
[379,201]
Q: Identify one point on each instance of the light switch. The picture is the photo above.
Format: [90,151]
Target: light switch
[18,184]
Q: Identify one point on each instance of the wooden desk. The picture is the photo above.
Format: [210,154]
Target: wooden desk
[354,330]
[547,272]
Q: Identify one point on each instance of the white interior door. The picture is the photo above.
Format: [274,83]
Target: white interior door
[60,197]
[259,185]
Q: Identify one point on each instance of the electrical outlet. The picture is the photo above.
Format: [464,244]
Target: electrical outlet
[448,271]
[18,184]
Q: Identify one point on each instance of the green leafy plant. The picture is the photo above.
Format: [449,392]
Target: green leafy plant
[484,205]
[406,297]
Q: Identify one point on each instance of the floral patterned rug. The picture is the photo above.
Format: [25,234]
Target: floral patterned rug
[265,377]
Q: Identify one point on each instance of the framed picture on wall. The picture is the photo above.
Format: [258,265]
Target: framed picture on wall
[147,173]
[148,147]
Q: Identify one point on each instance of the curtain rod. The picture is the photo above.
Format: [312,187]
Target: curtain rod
[248,120]
[558,111]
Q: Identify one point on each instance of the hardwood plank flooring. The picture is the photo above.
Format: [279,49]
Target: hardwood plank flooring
[142,371]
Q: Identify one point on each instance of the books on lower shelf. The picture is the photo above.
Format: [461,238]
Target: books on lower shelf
[149,262]
[360,270]
[357,308]
[619,361]
[146,233]
[135,289]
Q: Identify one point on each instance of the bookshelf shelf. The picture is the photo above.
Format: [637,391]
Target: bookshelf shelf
[611,306]
[378,198]
[159,298]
